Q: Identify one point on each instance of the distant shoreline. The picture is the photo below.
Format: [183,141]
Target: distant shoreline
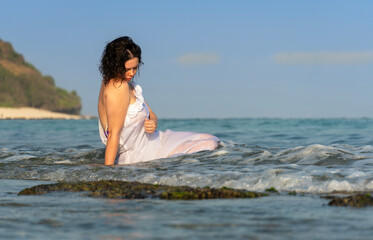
[27,113]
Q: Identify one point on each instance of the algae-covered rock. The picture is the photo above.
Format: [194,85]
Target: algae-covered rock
[187,193]
[272,189]
[136,190]
[359,200]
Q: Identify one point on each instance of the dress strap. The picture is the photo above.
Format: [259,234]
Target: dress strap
[106,132]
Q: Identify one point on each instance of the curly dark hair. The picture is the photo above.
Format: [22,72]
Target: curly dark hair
[115,55]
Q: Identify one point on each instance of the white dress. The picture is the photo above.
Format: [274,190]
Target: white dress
[135,145]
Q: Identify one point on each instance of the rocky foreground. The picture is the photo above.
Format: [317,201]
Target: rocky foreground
[358,200]
[136,190]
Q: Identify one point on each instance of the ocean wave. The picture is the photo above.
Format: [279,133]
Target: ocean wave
[314,168]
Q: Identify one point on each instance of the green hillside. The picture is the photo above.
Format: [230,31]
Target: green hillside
[22,85]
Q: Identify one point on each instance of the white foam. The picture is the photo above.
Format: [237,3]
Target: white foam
[369,185]
[219,153]
[70,150]
[190,161]
[149,178]
[63,162]
[335,186]
[280,179]
[265,155]
[366,149]
[356,174]
[313,169]
[314,154]
[15,158]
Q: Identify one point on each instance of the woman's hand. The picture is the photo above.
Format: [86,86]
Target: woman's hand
[150,125]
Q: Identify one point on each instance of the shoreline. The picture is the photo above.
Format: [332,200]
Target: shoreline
[28,113]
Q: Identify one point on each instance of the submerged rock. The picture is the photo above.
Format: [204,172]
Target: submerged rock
[292,193]
[272,189]
[359,200]
[136,190]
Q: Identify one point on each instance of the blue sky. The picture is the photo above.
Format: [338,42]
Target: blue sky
[207,59]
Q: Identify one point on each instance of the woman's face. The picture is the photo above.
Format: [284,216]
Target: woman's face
[131,68]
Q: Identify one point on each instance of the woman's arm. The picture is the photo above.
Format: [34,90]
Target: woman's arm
[151,124]
[117,100]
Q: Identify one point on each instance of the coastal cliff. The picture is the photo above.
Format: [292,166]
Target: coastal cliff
[22,85]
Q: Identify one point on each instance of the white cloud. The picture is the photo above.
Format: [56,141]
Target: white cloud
[323,57]
[198,59]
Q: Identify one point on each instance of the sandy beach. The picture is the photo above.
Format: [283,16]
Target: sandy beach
[34,113]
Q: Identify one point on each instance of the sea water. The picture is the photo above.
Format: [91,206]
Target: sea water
[313,157]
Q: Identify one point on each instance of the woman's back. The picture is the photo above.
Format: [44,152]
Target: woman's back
[101,107]
[105,91]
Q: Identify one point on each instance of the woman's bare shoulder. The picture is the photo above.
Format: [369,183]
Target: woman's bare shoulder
[116,88]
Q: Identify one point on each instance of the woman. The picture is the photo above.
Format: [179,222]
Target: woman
[127,124]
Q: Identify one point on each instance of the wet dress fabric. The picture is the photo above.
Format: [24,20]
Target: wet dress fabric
[136,145]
